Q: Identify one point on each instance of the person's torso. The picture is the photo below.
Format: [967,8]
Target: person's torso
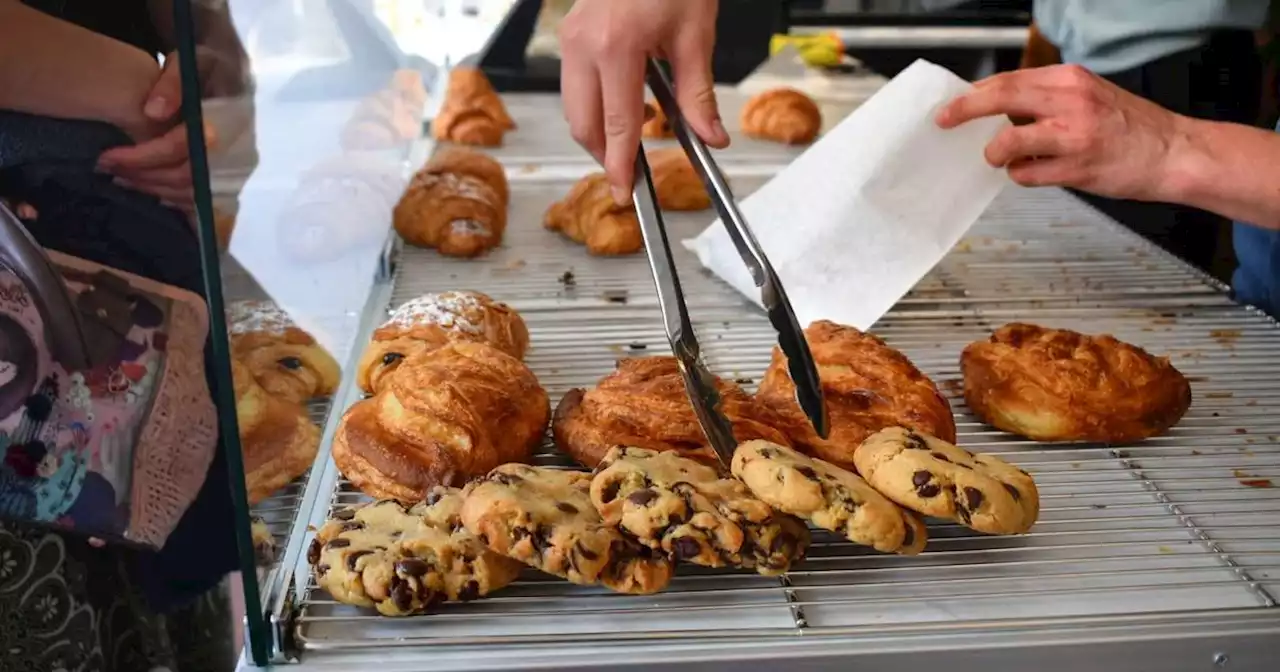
[128,21]
[1109,36]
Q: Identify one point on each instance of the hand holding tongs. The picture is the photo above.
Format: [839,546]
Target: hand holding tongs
[699,382]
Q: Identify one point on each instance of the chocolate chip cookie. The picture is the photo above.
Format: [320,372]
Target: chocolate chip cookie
[685,509]
[544,518]
[827,496]
[405,561]
[936,478]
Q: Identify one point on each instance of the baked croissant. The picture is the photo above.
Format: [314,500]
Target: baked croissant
[472,113]
[867,385]
[278,440]
[589,215]
[466,161]
[458,215]
[644,404]
[433,320]
[676,182]
[447,415]
[285,360]
[782,115]
[382,121]
[656,126]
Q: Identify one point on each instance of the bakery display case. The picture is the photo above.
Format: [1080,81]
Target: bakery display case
[395,270]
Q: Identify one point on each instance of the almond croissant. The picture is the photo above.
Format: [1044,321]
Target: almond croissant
[472,113]
[459,215]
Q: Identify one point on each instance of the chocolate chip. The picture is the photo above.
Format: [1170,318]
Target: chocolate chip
[939,456]
[962,465]
[807,472]
[352,525]
[542,538]
[974,496]
[412,567]
[402,595]
[434,497]
[354,556]
[912,441]
[338,543]
[470,591]
[642,497]
[344,514]
[930,490]
[566,507]
[1017,496]
[921,477]
[322,569]
[586,552]
[685,548]
[291,363]
[505,478]
[610,491]
[782,542]
[909,536]
[391,358]
[313,552]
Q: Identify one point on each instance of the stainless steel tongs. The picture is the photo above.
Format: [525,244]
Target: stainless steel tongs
[699,382]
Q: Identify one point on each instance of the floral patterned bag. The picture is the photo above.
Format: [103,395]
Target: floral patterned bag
[106,424]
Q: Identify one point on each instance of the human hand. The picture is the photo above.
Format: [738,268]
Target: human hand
[1084,131]
[159,164]
[604,48]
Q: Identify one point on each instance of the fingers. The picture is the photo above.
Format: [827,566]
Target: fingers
[690,57]
[1054,172]
[1025,142]
[165,98]
[167,150]
[171,184]
[622,88]
[583,109]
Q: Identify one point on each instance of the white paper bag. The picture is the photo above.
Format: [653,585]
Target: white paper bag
[859,218]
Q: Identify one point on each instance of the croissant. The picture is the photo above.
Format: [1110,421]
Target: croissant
[465,161]
[782,115]
[472,113]
[285,360]
[278,441]
[433,320]
[382,121]
[589,215]
[867,385]
[656,127]
[458,215]
[676,182]
[447,415]
[644,404]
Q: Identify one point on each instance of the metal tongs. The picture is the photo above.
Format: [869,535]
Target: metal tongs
[698,381]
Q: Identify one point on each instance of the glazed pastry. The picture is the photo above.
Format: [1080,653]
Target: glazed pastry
[676,182]
[473,113]
[466,161]
[447,415]
[403,561]
[782,115]
[868,386]
[284,359]
[544,518]
[432,320]
[279,442]
[690,512]
[656,126]
[458,215]
[644,404]
[1059,385]
[942,480]
[590,216]
[827,496]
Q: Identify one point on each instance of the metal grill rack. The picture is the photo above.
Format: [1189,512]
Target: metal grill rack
[1187,522]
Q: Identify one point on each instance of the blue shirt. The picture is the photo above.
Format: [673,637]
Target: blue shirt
[1110,36]
[1257,278]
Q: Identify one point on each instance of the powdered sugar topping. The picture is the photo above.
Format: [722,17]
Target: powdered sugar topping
[446,309]
[462,186]
[253,316]
[469,227]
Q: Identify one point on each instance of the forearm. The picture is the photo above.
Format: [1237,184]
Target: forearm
[1229,169]
[54,68]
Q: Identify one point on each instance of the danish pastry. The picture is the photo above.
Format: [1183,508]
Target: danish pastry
[432,320]
[447,415]
[782,115]
[656,125]
[590,216]
[676,182]
[466,161]
[644,404]
[1060,385]
[472,113]
[285,360]
[279,442]
[458,215]
[868,386]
